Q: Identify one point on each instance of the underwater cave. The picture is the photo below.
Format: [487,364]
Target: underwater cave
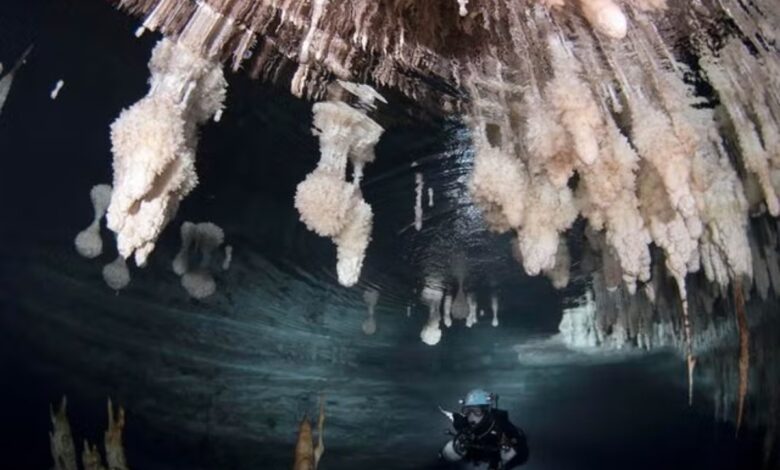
[269,234]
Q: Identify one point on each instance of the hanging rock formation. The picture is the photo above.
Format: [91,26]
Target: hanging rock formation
[116,274]
[579,108]
[432,296]
[194,261]
[88,242]
[330,205]
[8,79]
[371,297]
[154,143]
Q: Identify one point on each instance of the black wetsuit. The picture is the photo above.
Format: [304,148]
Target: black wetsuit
[484,441]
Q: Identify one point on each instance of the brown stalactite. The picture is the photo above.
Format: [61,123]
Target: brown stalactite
[690,359]
[307,453]
[63,450]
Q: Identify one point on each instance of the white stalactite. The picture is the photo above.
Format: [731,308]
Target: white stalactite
[116,274]
[418,190]
[471,319]
[578,326]
[89,243]
[193,263]
[432,296]
[154,143]
[330,205]
[606,17]
[460,306]
[494,309]
[448,310]
[317,8]
[559,274]
[759,145]
[370,297]
[57,88]
[228,259]
[549,212]
[462,10]
[499,183]
[8,79]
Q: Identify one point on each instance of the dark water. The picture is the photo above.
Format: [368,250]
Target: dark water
[221,384]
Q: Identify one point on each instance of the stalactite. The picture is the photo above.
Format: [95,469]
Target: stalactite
[733,75]
[55,92]
[471,319]
[606,17]
[638,71]
[432,296]
[418,190]
[317,7]
[330,205]
[744,350]
[89,243]
[116,274]
[193,262]
[559,274]
[154,144]
[607,164]
[448,310]
[494,309]
[462,10]
[460,306]
[578,323]
[370,297]
[8,79]
[228,258]
[498,185]
[690,359]
[512,199]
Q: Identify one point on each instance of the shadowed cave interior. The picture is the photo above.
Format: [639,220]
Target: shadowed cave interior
[222,382]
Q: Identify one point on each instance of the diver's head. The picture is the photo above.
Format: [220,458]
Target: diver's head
[475,414]
[477,405]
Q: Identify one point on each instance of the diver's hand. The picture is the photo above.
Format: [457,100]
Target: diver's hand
[448,414]
[462,443]
[507,454]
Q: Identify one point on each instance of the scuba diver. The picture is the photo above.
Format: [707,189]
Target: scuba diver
[484,434]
